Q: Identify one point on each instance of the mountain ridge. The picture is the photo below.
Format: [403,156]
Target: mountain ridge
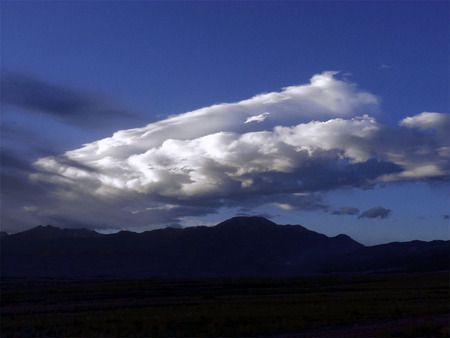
[237,247]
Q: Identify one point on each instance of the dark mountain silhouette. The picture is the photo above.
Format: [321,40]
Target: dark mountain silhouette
[241,246]
[3,233]
[50,232]
[41,237]
[415,256]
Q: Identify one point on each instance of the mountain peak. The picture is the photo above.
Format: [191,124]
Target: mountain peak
[246,221]
[237,247]
[51,232]
[43,229]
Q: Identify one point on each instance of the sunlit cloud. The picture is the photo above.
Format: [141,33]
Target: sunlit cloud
[426,120]
[283,206]
[317,137]
[257,118]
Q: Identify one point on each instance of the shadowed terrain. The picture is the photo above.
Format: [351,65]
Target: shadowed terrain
[238,247]
[246,276]
[415,305]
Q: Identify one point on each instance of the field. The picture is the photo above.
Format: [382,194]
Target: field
[373,305]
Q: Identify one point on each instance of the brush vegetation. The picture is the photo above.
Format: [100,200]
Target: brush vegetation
[224,307]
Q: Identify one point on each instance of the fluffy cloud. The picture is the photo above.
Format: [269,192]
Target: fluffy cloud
[426,120]
[307,139]
[376,212]
[322,98]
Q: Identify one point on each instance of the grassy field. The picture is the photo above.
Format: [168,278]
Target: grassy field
[225,307]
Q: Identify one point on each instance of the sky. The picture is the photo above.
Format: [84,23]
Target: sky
[142,114]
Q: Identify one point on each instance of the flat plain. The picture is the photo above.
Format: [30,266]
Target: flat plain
[342,305]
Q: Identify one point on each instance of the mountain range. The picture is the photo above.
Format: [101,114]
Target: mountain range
[238,247]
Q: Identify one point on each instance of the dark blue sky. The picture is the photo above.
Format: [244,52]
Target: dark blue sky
[77,72]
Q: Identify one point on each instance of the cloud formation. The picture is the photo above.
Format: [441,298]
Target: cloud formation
[281,149]
[376,212]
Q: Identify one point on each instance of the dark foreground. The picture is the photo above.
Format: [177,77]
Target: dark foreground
[374,305]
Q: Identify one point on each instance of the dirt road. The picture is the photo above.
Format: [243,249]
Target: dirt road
[421,326]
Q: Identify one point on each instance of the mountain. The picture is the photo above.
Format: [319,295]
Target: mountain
[414,256]
[38,238]
[238,247]
[50,232]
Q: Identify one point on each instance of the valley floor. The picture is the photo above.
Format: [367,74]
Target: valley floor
[331,306]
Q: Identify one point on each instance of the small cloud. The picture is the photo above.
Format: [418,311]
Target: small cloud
[29,208]
[383,67]
[376,212]
[346,211]
[427,121]
[257,118]
[283,206]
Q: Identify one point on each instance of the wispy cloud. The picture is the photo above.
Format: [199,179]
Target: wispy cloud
[74,107]
[316,138]
[384,67]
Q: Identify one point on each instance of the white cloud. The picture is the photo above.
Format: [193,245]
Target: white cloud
[426,120]
[283,206]
[322,98]
[316,138]
[257,118]
[205,165]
